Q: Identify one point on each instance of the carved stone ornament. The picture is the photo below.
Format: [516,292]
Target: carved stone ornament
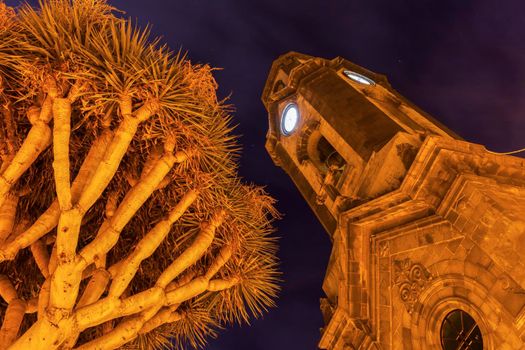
[327,309]
[384,249]
[510,286]
[411,279]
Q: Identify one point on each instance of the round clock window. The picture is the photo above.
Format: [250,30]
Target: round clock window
[361,79]
[289,118]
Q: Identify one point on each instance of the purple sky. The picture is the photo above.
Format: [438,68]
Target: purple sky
[461,61]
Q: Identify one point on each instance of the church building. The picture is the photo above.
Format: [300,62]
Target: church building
[427,230]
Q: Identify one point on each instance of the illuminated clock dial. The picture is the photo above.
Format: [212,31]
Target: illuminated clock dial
[289,118]
[361,79]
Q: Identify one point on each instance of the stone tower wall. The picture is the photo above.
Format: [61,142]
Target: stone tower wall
[422,222]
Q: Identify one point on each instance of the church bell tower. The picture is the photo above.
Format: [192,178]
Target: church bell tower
[428,230]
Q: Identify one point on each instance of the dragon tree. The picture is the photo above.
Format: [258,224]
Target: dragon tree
[123,222]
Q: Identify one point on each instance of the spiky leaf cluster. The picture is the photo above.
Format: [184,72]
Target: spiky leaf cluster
[86,45]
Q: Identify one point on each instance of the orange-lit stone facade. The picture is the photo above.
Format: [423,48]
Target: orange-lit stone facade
[422,223]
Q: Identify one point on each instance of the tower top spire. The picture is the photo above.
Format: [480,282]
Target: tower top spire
[333,123]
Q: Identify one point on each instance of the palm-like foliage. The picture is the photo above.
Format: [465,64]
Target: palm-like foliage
[109,138]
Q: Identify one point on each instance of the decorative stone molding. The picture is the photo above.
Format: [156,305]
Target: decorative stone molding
[358,336]
[302,146]
[446,203]
[327,309]
[510,286]
[384,249]
[440,297]
[411,279]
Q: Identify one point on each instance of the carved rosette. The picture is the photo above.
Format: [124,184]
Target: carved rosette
[410,278]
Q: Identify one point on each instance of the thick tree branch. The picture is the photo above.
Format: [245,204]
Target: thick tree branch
[8,135]
[111,204]
[70,218]
[39,251]
[37,140]
[224,255]
[109,308]
[196,250]
[32,306]
[147,245]
[44,334]
[7,216]
[137,100]
[113,307]
[109,232]
[126,331]
[163,316]
[12,320]
[14,314]
[53,261]
[219,284]
[43,297]
[66,279]
[146,305]
[200,284]
[95,288]
[7,291]
[116,150]
[61,167]
[49,219]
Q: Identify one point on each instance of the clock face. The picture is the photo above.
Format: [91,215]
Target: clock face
[361,79]
[289,118]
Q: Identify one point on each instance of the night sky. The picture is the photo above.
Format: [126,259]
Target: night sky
[462,61]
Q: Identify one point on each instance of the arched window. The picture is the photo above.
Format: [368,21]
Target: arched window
[323,154]
[459,331]
[329,159]
[315,149]
[329,163]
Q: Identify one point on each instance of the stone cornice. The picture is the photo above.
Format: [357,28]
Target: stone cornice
[442,160]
